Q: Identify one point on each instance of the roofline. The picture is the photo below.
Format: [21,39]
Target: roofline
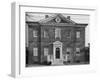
[85,24]
[58,24]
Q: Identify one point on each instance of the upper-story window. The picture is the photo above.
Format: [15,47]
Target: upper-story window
[78,34]
[35,51]
[45,34]
[57,33]
[35,33]
[46,51]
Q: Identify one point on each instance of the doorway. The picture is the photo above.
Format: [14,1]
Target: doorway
[57,53]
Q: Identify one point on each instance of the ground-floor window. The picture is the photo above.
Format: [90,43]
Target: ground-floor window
[46,51]
[77,50]
[35,51]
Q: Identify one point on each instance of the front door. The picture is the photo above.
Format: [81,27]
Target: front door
[57,52]
[57,55]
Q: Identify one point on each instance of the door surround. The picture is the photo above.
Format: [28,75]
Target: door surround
[57,44]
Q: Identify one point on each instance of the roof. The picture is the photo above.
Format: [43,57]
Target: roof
[57,16]
[50,20]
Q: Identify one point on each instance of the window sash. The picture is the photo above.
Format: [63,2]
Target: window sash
[58,33]
[35,51]
[34,33]
[68,50]
[77,49]
[78,34]
[45,34]
[46,51]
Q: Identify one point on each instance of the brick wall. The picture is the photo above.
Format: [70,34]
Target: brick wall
[42,42]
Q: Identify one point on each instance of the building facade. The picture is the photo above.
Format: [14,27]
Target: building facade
[55,40]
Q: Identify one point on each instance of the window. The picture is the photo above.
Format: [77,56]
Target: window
[35,51]
[45,34]
[46,51]
[78,34]
[77,50]
[57,33]
[68,50]
[58,20]
[34,33]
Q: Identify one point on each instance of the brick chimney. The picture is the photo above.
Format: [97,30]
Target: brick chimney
[46,16]
[68,17]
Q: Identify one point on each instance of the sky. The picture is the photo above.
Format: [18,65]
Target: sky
[39,16]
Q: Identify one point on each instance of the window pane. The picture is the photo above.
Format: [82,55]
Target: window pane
[45,51]
[68,50]
[45,34]
[78,34]
[35,51]
[77,49]
[58,33]
[34,33]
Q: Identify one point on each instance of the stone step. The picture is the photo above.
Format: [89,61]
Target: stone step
[57,62]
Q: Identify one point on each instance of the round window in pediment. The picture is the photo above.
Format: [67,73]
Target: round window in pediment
[58,20]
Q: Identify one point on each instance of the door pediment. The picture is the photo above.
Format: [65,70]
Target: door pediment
[57,43]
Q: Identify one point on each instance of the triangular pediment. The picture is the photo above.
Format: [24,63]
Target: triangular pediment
[57,18]
[57,43]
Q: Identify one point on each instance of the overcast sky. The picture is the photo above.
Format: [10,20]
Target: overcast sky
[40,16]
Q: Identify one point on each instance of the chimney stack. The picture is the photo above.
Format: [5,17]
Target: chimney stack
[46,16]
[68,17]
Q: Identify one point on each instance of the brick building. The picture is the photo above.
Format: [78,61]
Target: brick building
[55,40]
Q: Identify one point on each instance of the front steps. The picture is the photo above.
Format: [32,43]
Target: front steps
[57,62]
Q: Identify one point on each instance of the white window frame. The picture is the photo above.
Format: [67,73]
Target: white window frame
[35,51]
[78,33]
[78,49]
[46,51]
[57,32]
